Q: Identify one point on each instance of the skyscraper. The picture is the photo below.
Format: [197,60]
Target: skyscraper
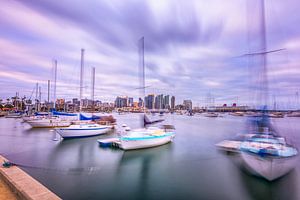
[159,101]
[172,102]
[149,101]
[166,102]
[121,102]
[130,102]
[141,102]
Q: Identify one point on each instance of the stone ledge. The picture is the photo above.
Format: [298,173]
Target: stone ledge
[23,185]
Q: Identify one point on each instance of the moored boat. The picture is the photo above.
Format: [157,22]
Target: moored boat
[268,156]
[14,115]
[147,137]
[48,123]
[83,130]
[211,114]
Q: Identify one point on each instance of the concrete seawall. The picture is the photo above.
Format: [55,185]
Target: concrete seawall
[23,185]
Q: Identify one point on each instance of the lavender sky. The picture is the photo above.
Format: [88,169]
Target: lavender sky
[192,48]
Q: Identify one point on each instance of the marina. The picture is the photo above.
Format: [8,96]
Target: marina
[149,100]
[191,165]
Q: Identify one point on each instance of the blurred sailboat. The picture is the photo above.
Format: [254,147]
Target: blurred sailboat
[148,136]
[266,154]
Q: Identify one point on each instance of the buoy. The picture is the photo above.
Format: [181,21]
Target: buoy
[124,125]
[127,128]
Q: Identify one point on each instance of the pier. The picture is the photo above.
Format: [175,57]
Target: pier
[109,142]
[23,185]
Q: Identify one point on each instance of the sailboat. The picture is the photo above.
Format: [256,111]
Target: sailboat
[48,120]
[148,136]
[266,154]
[83,129]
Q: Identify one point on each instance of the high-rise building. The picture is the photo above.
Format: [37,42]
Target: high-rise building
[166,102]
[130,102]
[172,102]
[140,104]
[121,102]
[188,104]
[149,101]
[159,101]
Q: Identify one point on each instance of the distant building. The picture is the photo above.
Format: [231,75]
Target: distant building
[75,101]
[159,101]
[130,102]
[149,101]
[140,103]
[188,104]
[60,104]
[166,102]
[121,102]
[173,102]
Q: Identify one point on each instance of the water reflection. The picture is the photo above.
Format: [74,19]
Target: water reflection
[190,167]
[144,165]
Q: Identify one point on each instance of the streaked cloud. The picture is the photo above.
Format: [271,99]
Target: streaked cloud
[191,47]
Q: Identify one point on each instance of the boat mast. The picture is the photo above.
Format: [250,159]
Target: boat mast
[55,79]
[48,98]
[93,89]
[264,78]
[81,79]
[142,70]
[36,96]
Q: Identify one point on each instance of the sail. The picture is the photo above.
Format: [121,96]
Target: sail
[56,113]
[93,117]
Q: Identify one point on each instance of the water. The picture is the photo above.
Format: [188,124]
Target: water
[188,168]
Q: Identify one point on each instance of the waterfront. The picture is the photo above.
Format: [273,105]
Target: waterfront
[190,167]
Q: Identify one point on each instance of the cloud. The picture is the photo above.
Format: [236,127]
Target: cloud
[190,47]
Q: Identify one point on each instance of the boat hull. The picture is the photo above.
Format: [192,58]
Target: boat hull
[145,143]
[268,167]
[77,133]
[48,123]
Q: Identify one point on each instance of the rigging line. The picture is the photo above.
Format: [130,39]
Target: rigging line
[73,170]
[260,53]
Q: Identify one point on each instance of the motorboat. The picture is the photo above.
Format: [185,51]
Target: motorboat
[294,114]
[147,137]
[240,114]
[211,114]
[14,115]
[83,130]
[276,115]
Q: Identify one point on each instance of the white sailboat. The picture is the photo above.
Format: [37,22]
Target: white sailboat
[147,136]
[266,154]
[84,129]
[48,121]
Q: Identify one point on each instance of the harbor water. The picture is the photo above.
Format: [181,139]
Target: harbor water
[188,168]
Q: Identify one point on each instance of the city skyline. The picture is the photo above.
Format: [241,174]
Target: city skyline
[191,52]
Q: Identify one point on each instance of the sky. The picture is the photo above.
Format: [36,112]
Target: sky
[192,48]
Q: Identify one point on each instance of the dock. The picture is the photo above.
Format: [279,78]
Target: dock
[23,185]
[109,142]
[229,145]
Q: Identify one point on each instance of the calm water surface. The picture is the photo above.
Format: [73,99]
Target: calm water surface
[188,168]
